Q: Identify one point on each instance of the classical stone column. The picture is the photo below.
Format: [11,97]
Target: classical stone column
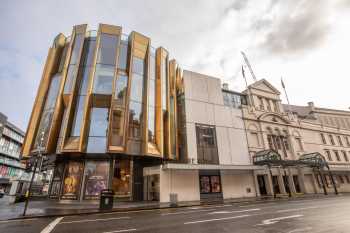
[291,181]
[301,179]
[256,183]
[268,182]
[281,181]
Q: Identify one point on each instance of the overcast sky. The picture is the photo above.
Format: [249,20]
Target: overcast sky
[305,41]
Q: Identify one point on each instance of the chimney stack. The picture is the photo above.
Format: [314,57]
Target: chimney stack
[225,86]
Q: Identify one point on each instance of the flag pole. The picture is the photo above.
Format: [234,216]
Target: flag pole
[250,97]
[285,92]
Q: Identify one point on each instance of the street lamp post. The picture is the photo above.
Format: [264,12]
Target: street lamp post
[28,193]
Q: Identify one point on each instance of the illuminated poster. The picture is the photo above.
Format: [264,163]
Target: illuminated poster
[57,180]
[215,184]
[71,184]
[205,184]
[96,174]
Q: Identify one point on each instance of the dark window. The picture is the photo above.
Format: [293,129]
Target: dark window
[329,156]
[207,151]
[323,138]
[341,179]
[337,155]
[347,140]
[347,179]
[340,141]
[331,139]
[345,156]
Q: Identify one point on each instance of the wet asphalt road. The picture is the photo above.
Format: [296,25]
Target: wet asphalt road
[331,214]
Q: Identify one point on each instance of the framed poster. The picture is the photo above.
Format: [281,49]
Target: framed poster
[96,178]
[72,180]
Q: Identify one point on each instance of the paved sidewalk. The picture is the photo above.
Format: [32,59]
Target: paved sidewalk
[53,208]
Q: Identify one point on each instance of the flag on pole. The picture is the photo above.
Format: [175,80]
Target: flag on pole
[284,87]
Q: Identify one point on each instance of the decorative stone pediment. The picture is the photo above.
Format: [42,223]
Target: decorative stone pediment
[274,118]
[265,86]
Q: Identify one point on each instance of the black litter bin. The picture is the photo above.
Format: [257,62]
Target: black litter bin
[106,199]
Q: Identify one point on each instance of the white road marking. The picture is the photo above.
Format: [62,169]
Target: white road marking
[51,226]
[252,205]
[94,220]
[297,209]
[300,230]
[125,230]
[18,220]
[187,212]
[217,219]
[275,220]
[234,211]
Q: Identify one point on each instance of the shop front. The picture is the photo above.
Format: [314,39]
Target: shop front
[85,179]
[210,184]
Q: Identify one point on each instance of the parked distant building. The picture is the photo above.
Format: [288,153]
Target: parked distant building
[114,112]
[11,139]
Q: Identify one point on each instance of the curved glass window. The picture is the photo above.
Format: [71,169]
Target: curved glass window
[151,124]
[78,117]
[97,142]
[103,79]
[53,92]
[78,42]
[164,82]
[107,49]
[46,119]
[123,55]
[71,74]
[138,65]
[117,127]
[89,49]
[135,115]
[121,88]
[136,89]
[84,72]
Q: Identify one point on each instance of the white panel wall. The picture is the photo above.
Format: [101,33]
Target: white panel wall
[204,105]
[235,185]
[184,183]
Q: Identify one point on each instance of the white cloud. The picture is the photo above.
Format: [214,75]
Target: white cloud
[305,41]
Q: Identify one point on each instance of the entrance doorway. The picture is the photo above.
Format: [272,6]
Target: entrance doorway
[276,187]
[296,184]
[262,185]
[286,183]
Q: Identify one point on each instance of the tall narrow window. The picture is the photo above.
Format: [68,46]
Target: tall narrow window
[337,155]
[136,94]
[46,119]
[340,141]
[73,64]
[323,138]
[151,99]
[345,156]
[329,156]
[105,68]
[347,140]
[98,130]
[207,152]
[331,139]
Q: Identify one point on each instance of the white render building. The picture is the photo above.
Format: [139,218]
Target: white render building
[224,131]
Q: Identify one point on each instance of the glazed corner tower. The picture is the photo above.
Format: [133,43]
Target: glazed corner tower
[106,107]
